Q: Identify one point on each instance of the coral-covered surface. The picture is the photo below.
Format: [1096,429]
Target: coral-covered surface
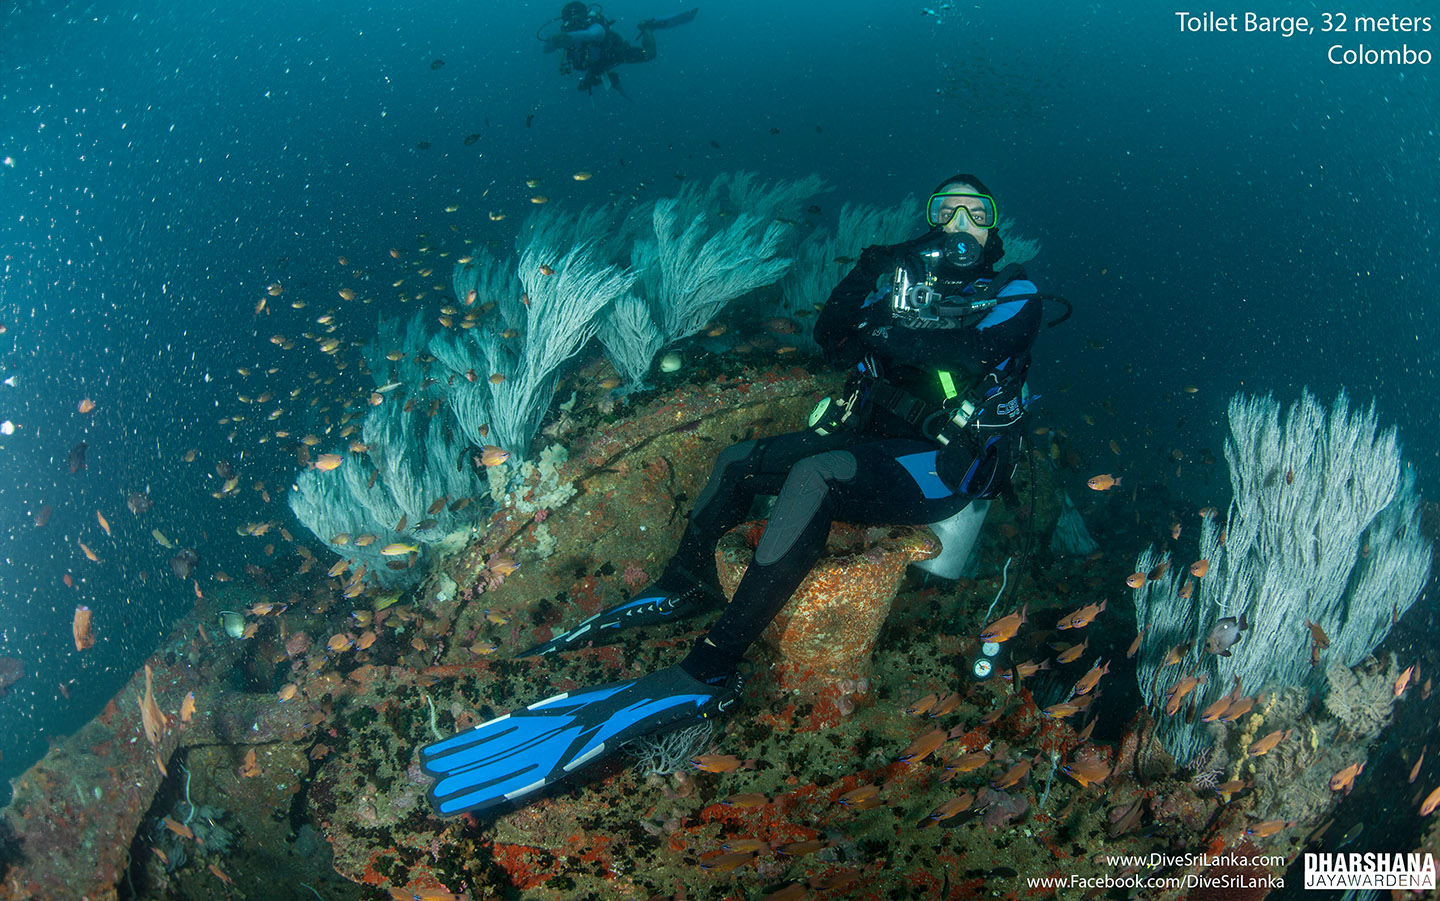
[871,763]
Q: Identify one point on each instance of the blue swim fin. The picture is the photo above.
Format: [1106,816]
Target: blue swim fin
[652,606]
[522,752]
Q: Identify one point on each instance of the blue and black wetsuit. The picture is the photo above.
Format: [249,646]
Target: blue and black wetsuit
[891,463]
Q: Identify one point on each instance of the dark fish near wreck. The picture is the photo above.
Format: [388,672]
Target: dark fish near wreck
[77,457]
[138,502]
[183,563]
[12,670]
[1225,635]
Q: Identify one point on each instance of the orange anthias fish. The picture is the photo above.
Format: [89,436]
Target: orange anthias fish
[150,713]
[1199,568]
[1086,772]
[187,708]
[84,635]
[1103,482]
[922,704]
[490,455]
[103,523]
[1135,580]
[1004,629]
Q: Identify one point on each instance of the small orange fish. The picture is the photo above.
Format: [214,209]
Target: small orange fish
[1072,653]
[1004,629]
[1135,580]
[1012,775]
[1199,568]
[1103,482]
[1230,788]
[1174,531]
[1415,770]
[1268,743]
[1081,618]
[1345,779]
[922,705]
[150,714]
[956,805]
[1176,654]
[967,762]
[1431,801]
[1115,447]
[1086,772]
[1176,697]
[1135,644]
[1403,682]
[288,692]
[496,378]
[923,746]
[747,800]
[546,270]
[84,635]
[339,642]
[1088,681]
[1317,635]
[103,524]
[1060,711]
[249,768]
[178,828]
[1187,589]
[220,874]
[86,405]
[945,705]
[187,708]
[863,798]
[1236,709]
[1269,827]
[327,462]
[89,554]
[716,763]
[726,861]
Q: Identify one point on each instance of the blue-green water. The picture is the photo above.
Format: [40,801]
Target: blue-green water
[1226,211]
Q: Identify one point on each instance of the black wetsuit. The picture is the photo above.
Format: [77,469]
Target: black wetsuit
[887,470]
[597,57]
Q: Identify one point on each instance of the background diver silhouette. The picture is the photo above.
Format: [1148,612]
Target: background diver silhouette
[937,344]
[594,48]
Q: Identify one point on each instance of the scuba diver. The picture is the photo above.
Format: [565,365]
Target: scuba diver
[594,49]
[937,344]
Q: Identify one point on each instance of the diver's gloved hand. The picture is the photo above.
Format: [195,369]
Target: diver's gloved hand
[518,754]
[651,606]
[552,42]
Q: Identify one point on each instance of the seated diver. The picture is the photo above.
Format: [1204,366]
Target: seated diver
[593,48]
[937,344]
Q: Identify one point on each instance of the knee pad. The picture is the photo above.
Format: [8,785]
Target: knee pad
[805,492]
[727,466]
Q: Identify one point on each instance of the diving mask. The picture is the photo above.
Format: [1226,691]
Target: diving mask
[980,208]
